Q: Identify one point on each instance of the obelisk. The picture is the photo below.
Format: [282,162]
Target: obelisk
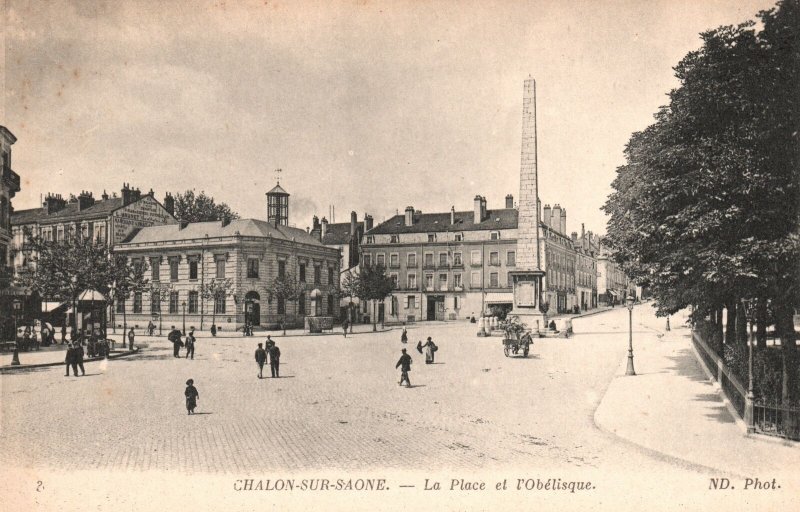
[528,275]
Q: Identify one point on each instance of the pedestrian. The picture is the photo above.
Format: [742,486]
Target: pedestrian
[345,325]
[73,334]
[131,336]
[429,348]
[79,360]
[26,337]
[261,359]
[175,337]
[190,345]
[69,360]
[274,359]
[151,327]
[214,330]
[64,332]
[192,396]
[404,336]
[405,366]
[45,335]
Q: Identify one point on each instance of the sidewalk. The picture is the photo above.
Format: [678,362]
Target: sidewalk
[671,408]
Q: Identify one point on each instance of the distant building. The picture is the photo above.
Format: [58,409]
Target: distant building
[560,258]
[612,283]
[587,248]
[183,258]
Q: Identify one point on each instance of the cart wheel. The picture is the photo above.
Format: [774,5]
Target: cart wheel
[505,351]
[525,352]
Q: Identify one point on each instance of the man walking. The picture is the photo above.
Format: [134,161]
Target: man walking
[64,332]
[131,336]
[405,366]
[78,360]
[345,325]
[190,344]
[261,358]
[274,359]
[69,360]
[175,337]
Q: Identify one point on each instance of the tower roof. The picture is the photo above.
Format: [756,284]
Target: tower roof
[278,190]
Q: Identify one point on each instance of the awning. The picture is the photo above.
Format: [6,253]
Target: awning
[91,295]
[613,293]
[499,298]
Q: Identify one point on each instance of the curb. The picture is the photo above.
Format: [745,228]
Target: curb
[12,369]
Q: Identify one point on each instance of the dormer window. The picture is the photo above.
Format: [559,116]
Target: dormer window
[431,237]
[370,239]
[394,239]
[494,235]
[459,237]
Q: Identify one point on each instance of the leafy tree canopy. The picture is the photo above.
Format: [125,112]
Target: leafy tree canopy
[200,207]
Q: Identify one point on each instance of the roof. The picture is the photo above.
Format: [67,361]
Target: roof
[277,189]
[464,221]
[337,234]
[70,211]
[215,229]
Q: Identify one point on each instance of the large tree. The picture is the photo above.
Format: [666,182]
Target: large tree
[372,283]
[286,288]
[129,278]
[705,211]
[218,289]
[191,207]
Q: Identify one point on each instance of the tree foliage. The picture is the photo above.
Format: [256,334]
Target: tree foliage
[372,283]
[191,207]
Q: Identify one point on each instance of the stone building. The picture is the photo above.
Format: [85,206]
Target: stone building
[9,186]
[587,249]
[560,259]
[612,283]
[183,259]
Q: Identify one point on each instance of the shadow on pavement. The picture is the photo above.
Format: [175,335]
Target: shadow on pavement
[199,413]
[687,366]
[721,415]
[26,370]
[708,397]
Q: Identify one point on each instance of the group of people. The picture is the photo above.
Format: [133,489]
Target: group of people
[188,341]
[274,353]
[74,358]
[404,363]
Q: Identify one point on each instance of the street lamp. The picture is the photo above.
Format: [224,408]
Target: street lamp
[15,360]
[629,302]
[750,310]
[183,305]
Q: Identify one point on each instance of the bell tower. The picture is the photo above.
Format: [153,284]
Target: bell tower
[278,206]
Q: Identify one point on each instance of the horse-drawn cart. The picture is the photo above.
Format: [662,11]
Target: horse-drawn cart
[516,340]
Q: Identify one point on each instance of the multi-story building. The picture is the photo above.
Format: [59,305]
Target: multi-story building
[560,257]
[445,265]
[612,283]
[587,249]
[248,254]
[9,186]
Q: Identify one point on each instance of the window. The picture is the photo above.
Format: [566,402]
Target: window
[155,303]
[394,260]
[494,235]
[331,273]
[511,258]
[155,268]
[394,239]
[252,268]
[221,267]
[411,302]
[60,233]
[476,257]
[101,234]
[219,304]
[193,296]
[442,281]
[137,302]
[429,281]
[411,260]
[412,281]
[330,304]
[370,239]
[457,259]
[457,280]
[281,268]
[455,303]
[302,272]
[380,260]
[281,306]
[428,259]
[120,305]
[459,237]
[173,302]
[510,280]
[493,280]
[193,269]
[317,274]
[431,237]
[173,269]
[494,259]
[367,260]
[301,304]
[393,277]
[475,280]
[442,259]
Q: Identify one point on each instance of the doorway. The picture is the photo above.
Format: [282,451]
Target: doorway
[435,307]
[252,308]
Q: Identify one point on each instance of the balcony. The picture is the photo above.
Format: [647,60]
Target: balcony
[429,266]
[412,265]
[11,179]
[459,264]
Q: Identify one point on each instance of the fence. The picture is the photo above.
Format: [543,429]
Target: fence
[772,419]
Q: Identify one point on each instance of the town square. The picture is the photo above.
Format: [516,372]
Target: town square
[416,255]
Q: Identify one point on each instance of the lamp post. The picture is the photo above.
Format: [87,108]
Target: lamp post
[749,309]
[183,305]
[15,359]
[629,303]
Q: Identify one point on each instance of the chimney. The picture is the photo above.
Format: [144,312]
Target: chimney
[546,215]
[509,201]
[136,194]
[324,228]
[85,200]
[483,208]
[169,203]
[574,237]
[452,215]
[225,221]
[478,211]
[409,215]
[367,222]
[105,195]
[563,221]
[555,220]
[53,203]
[353,223]
[315,223]
[126,194]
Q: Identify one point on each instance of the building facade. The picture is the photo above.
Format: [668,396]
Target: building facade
[612,283]
[9,186]
[244,255]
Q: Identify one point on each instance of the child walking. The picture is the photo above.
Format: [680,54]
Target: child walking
[191,396]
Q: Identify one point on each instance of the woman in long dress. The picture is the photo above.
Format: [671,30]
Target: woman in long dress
[429,348]
[191,396]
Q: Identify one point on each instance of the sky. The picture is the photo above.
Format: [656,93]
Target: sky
[364,105]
